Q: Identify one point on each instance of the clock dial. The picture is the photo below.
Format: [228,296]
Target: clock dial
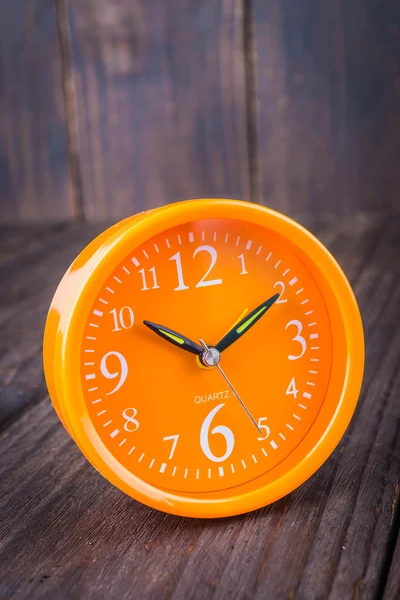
[160,412]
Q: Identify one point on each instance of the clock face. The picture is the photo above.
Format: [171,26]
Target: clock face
[163,415]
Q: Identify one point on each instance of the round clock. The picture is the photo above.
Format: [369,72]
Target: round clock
[206,356]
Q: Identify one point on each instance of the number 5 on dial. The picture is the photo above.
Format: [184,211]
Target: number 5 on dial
[261,425]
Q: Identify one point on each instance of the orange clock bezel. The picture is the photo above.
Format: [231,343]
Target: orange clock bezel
[73,300]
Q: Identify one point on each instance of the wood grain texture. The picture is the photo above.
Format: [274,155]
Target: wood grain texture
[66,533]
[19,239]
[392,587]
[328,96]
[160,91]
[28,280]
[34,173]
[291,104]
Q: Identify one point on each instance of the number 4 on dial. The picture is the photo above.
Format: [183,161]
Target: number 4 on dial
[292,388]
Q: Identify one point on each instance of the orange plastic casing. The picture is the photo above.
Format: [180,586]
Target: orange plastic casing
[63,339]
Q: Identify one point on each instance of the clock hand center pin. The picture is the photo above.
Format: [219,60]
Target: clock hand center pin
[211,358]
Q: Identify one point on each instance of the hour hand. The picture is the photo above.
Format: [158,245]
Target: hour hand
[244,325]
[175,338]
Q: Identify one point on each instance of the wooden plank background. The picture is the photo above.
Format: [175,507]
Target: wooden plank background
[294,104]
[328,104]
[161,106]
[34,164]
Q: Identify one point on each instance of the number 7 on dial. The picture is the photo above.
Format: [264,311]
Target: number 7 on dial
[175,439]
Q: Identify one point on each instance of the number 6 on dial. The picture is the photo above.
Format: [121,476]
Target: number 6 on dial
[222,429]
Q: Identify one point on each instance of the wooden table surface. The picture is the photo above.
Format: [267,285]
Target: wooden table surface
[65,532]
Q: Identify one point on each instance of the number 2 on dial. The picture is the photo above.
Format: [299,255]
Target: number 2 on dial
[281,285]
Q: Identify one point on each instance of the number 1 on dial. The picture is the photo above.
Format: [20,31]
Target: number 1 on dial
[243,271]
[181,284]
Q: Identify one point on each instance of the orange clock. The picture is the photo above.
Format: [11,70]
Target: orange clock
[206,356]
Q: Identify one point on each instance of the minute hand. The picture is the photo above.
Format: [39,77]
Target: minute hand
[245,324]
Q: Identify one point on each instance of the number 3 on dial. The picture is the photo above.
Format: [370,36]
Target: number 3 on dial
[297,338]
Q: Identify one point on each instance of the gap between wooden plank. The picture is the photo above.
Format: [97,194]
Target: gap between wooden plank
[372,322]
[251,102]
[390,568]
[71,117]
[386,588]
[390,584]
